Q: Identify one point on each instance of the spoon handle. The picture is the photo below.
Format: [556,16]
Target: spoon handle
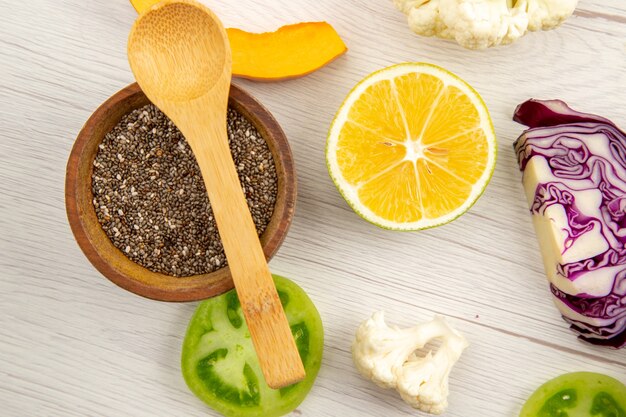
[265,317]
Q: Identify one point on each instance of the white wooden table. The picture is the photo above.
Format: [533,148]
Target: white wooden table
[73,344]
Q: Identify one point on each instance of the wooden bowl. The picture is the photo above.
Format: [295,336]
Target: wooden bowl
[108,259]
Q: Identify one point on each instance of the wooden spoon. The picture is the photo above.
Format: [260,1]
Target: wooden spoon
[180,55]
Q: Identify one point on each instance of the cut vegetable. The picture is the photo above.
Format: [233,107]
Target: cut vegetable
[141,5]
[388,356]
[574,174]
[411,147]
[578,394]
[290,52]
[220,365]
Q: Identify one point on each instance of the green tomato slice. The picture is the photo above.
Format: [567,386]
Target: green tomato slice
[578,394]
[220,365]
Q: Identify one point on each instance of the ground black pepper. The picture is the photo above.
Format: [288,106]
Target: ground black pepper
[151,200]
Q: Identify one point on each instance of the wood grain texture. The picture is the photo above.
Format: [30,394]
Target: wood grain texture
[73,344]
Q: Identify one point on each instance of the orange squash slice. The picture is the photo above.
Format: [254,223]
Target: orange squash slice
[290,52]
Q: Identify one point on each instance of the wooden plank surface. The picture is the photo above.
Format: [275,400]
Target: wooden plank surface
[73,344]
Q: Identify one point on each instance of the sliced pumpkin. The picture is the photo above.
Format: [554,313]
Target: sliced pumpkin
[141,5]
[290,52]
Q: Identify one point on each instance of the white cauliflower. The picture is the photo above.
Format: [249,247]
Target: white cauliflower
[387,356]
[480,24]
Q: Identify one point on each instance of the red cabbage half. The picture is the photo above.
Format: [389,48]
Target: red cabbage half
[577,190]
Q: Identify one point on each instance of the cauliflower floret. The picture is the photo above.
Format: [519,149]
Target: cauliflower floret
[484,23]
[380,351]
[479,24]
[424,17]
[386,355]
[548,14]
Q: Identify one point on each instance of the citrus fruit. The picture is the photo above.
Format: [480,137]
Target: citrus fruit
[411,147]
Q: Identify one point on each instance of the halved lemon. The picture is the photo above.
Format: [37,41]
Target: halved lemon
[411,147]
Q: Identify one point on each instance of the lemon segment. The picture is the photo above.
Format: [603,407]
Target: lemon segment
[372,153]
[417,94]
[379,111]
[393,194]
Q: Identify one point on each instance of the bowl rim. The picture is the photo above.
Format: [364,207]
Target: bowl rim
[147,283]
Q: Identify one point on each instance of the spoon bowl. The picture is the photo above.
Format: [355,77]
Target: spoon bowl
[165,37]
